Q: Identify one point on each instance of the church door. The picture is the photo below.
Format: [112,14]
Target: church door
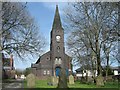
[57,71]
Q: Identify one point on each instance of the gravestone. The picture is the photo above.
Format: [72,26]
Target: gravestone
[49,80]
[52,80]
[30,80]
[71,79]
[90,80]
[57,79]
[99,81]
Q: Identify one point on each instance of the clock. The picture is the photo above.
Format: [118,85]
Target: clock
[57,38]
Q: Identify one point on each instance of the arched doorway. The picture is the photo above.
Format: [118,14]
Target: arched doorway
[57,71]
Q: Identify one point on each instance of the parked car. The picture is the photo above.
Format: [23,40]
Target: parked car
[22,77]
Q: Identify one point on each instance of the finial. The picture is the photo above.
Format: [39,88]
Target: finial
[56,5]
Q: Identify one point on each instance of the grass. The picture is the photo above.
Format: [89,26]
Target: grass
[80,85]
[40,84]
[43,84]
[107,85]
[112,85]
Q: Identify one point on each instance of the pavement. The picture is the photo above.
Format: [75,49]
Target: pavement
[13,84]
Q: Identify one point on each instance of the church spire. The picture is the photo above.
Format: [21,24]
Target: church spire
[57,21]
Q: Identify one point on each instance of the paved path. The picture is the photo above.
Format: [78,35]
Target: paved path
[13,84]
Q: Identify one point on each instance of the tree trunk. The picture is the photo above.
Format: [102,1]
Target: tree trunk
[83,79]
[93,69]
[107,68]
[99,68]
[94,76]
[100,79]
[62,79]
[87,76]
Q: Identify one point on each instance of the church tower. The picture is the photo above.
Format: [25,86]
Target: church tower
[57,44]
[55,61]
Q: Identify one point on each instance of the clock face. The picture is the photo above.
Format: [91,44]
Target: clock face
[57,38]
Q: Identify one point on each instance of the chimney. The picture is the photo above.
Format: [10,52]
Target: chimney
[11,61]
[2,59]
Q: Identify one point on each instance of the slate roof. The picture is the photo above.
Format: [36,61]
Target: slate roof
[40,57]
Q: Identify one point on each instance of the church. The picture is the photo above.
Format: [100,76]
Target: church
[50,63]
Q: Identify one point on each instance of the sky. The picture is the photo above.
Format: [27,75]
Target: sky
[43,13]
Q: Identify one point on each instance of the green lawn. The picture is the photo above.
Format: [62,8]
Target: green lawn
[43,84]
[40,84]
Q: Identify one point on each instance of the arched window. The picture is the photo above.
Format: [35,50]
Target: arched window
[56,60]
[59,61]
[58,49]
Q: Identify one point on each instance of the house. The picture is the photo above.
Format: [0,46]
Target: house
[86,72]
[50,63]
[89,72]
[116,70]
[8,70]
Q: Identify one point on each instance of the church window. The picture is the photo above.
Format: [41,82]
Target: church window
[59,61]
[47,58]
[58,49]
[58,38]
[56,61]
[44,72]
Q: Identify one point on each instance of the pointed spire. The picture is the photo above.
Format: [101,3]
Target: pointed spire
[57,21]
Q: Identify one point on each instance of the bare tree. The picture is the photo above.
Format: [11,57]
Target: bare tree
[108,49]
[96,22]
[20,33]
[115,52]
[81,52]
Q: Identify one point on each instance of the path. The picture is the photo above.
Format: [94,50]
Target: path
[13,84]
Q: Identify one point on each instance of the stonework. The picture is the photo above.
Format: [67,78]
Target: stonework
[52,80]
[8,70]
[49,63]
[99,81]
[71,79]
[30,80]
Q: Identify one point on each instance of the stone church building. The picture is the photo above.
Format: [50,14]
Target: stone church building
[50,63]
